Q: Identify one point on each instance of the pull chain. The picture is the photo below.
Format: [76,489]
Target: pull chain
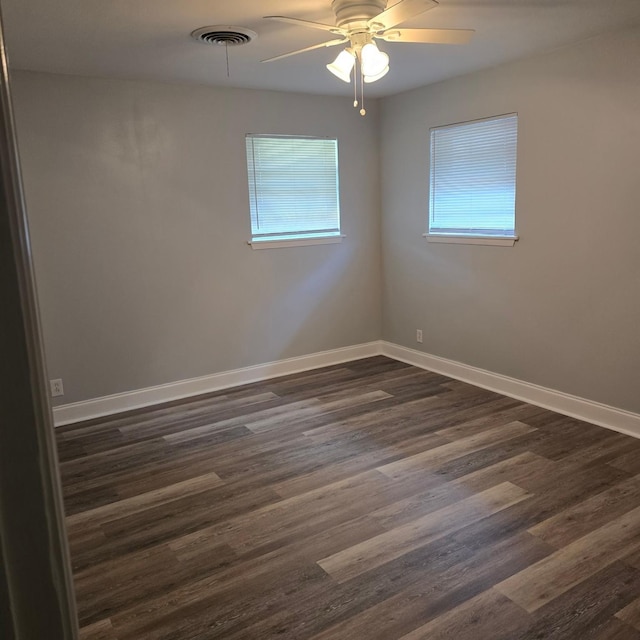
[226,51]
[363,111]
[355,84]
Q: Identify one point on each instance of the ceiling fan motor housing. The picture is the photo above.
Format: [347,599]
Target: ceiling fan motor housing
[351,12]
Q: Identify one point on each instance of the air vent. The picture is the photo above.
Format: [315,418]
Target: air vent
[225,36]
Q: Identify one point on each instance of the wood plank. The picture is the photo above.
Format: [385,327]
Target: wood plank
[165,522]
[488,615]
[614,629]
[542,582]
[523,469]
[631,614]
[355,464]
[139,576]
[432,458]
[129,506]
[101,630]
[587,609]
[399,596]
[575,522]
[356,560]
[235,595]
[319,407]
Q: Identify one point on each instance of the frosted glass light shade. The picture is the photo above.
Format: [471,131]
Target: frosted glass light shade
[380,75]
[342,65]
[374,61]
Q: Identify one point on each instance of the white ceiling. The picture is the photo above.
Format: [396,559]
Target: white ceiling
[149,39]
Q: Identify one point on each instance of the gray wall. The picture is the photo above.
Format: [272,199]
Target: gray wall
[562,307]
[138,204]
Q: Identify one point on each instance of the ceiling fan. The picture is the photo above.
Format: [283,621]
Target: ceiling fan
[359,23]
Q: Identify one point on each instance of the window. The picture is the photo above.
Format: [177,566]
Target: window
[293,188]
[473,180]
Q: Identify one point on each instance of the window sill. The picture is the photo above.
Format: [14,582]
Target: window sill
[496,241]
[294,242]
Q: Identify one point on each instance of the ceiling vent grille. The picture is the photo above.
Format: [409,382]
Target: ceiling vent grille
[225,36]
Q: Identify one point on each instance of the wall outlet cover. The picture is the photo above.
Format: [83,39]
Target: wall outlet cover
[56,387]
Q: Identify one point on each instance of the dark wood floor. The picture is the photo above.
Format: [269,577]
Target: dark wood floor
[367,501]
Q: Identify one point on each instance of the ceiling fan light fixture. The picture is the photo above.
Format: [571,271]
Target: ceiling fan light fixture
[343,64]
[358,23]
[374,62]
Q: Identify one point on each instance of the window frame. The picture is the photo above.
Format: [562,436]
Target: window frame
[290,238]
[469,235]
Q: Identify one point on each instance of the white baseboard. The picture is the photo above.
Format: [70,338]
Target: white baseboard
[594,412]
[107,405]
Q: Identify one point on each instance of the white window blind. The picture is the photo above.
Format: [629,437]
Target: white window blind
[473,178]
[293,187]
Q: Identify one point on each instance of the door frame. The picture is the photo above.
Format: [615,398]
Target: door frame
[36,590]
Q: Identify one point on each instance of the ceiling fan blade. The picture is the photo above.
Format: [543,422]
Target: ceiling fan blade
[428,36]
[400,12]
[307,23]
[329,43]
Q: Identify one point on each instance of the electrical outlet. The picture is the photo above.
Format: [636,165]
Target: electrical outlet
[56,387]
[419,335]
